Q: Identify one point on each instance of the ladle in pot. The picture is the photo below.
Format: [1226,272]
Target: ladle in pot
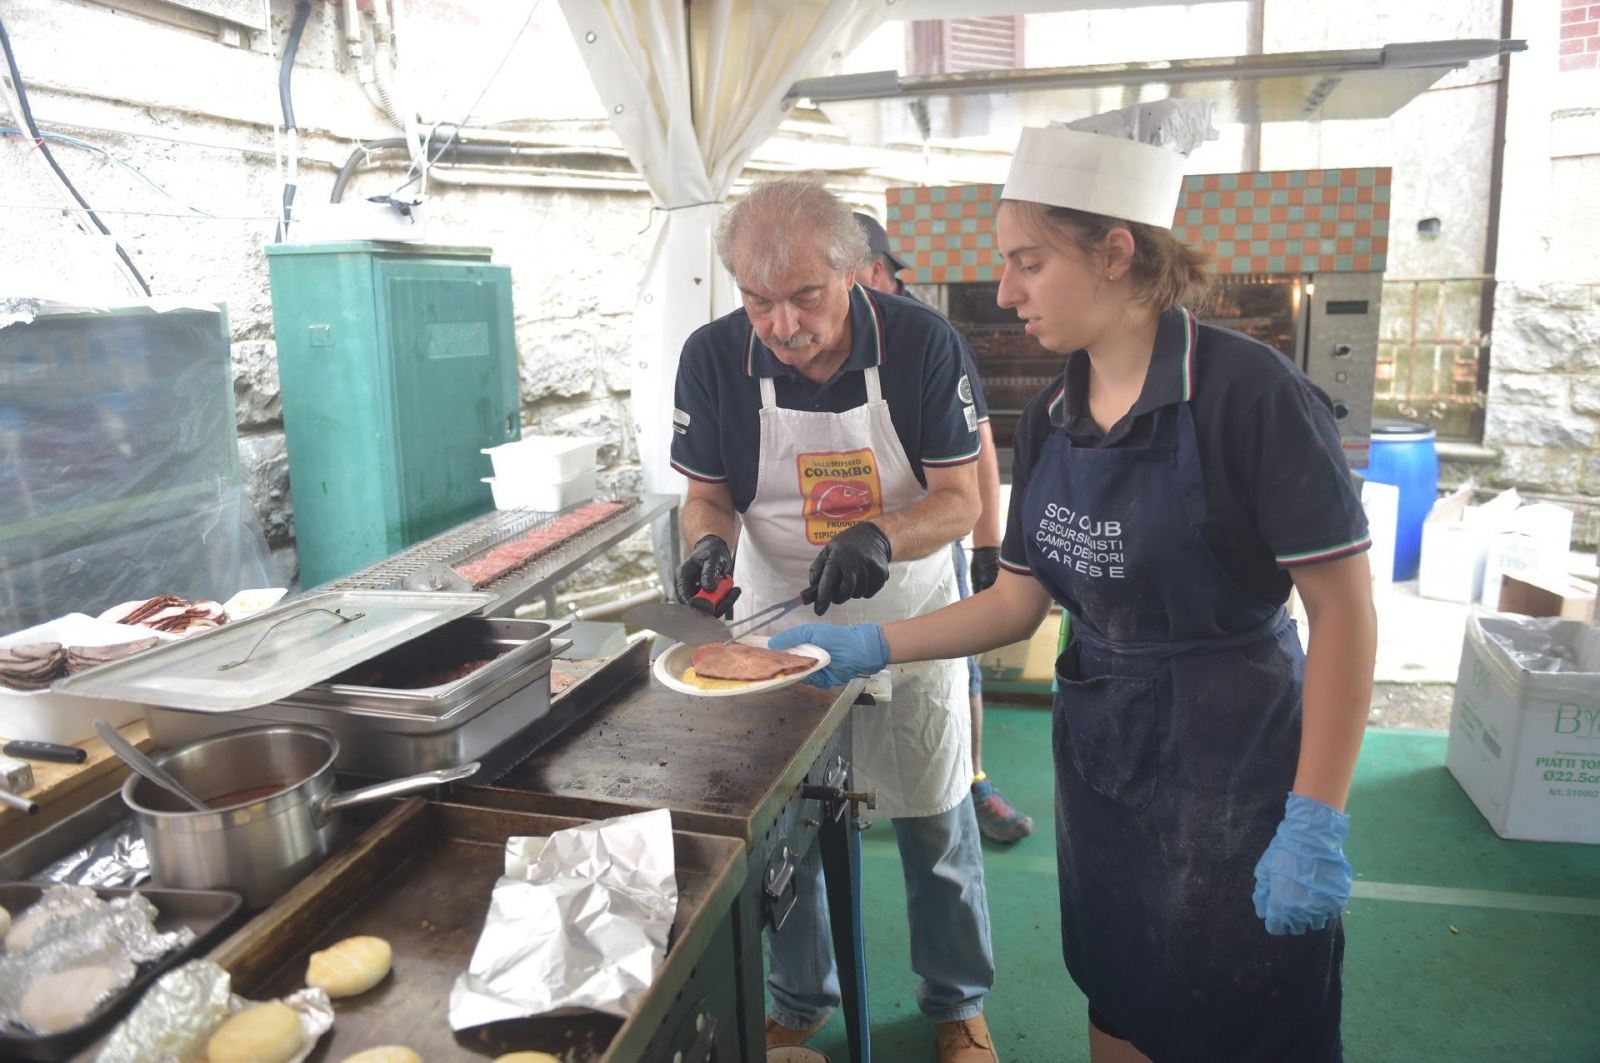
[145,766]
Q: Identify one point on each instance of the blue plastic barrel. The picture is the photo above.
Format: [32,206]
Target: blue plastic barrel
[1403,454]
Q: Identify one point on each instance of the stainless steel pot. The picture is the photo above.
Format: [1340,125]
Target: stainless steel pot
[274,812]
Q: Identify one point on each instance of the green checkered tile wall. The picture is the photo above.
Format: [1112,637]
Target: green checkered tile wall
[1281,221]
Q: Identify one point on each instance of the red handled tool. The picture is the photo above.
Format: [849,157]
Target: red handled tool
[708,601]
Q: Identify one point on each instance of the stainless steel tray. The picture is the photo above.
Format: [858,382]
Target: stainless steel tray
[479,726]
[273,654]
[386,732]
[515,646]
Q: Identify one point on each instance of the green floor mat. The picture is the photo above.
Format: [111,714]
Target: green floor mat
[1516,979]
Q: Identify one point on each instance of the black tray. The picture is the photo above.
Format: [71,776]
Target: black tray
[207,912]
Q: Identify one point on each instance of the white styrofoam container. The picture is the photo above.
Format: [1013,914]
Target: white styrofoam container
[46,716]
[1525,744]
[516,493]
[544,459]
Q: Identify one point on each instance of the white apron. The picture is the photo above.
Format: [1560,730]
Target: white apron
[820,473]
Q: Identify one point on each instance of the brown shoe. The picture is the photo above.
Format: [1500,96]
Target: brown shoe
[965,1041]
[779,1034]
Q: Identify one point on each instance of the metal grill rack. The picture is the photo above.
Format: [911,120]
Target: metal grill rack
[538,576]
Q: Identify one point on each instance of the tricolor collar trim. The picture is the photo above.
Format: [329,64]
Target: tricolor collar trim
[1162,374]
[866,344]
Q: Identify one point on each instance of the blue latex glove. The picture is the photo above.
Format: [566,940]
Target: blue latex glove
[858,650]
[1303,879]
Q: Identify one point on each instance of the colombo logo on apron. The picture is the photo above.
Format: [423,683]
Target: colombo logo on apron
[838,489]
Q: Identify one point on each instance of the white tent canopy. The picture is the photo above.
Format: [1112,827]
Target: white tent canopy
[693,88]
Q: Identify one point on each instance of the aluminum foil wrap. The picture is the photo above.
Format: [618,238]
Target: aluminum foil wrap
[584,925]
[114,857]
[72,928]
[178,1014]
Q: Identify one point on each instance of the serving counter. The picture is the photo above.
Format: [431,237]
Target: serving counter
[752,782]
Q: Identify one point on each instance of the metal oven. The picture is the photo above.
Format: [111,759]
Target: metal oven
[1327,324]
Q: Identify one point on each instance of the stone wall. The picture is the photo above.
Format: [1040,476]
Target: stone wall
[1543,410]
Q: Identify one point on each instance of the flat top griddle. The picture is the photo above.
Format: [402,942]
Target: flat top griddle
[421,878]
[723,765]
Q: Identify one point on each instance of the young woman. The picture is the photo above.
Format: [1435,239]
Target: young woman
[1169,489]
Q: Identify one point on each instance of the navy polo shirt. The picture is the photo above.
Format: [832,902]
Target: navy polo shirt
[1277,487]
[717,421]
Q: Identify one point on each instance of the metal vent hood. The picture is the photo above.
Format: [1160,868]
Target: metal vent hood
[1282,87]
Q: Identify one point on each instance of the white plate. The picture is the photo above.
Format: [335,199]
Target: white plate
[671,665]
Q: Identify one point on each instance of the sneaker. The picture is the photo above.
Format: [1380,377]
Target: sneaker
[778,1034]
[966,1041]
[998,821]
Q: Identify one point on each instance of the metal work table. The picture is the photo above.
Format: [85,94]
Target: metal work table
[771,770]
[539,577]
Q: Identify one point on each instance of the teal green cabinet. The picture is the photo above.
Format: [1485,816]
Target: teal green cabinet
[398,365]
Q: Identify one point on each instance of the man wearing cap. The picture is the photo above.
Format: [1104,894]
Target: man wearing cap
[826,429]
[1169,489]
[998,820]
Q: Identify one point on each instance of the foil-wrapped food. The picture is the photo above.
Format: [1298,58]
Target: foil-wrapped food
[71,952]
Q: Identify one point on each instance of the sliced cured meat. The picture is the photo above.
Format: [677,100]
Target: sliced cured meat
[31,666]
[735,660]
[81,657]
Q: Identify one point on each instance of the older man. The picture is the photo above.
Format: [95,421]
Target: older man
[827,430]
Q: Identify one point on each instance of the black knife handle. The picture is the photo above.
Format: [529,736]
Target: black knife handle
[45,751]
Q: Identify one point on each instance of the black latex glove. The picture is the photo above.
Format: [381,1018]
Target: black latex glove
[707,566]
[854,565]
[985,567]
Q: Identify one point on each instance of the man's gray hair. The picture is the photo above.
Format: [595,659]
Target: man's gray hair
[782,217]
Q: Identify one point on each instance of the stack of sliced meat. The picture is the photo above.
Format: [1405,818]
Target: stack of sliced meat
[508,557]
[33,666]
[81,657]
[735,660]
[168,612]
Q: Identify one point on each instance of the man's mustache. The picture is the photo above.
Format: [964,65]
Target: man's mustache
[799,339]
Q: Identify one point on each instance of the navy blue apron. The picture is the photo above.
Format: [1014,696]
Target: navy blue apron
[1176,733]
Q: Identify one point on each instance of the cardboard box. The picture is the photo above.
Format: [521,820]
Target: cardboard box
[1537,536]
[1455,544]
[1525,742]
[1547,593]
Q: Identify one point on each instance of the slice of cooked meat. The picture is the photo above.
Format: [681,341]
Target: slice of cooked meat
[81,657]
[735,660]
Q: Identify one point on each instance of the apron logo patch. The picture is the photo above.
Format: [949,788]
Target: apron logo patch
[1087,546]
[838,489]
[964,388]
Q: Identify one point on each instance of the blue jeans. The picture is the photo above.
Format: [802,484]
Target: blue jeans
[948,912]
[958,554]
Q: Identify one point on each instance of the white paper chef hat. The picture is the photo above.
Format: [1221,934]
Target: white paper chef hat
[1124,164]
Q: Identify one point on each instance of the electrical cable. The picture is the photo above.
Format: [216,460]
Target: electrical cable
[124,163]
[49,157]
[413,178]
[285,72]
